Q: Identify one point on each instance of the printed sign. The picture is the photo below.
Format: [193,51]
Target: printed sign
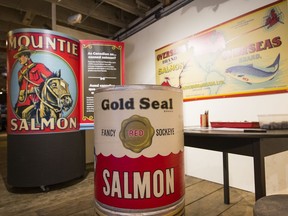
[244,56]
[102,65]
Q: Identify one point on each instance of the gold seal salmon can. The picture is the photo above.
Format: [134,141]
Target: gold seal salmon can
[139,150]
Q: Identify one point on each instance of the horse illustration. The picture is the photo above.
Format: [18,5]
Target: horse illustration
[54,97]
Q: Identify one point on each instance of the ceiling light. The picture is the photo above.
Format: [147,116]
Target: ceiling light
[72,20]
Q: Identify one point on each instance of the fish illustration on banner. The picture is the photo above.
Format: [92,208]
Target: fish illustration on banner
[251,74]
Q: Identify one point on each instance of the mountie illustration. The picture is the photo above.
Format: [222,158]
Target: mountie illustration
[42,93]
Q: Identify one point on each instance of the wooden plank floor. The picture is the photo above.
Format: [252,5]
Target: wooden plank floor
[76,198]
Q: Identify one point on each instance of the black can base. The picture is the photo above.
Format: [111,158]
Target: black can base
[45,159]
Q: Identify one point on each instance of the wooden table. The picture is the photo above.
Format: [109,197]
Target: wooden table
[254,144]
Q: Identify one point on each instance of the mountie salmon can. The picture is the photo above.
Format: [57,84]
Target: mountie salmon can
[139,150]
[42,82]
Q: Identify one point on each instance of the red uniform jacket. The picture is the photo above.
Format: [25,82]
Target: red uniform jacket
[30,77]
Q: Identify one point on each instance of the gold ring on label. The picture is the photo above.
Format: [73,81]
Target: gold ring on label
[136,133]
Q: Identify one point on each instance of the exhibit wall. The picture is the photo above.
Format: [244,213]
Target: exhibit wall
[195,17]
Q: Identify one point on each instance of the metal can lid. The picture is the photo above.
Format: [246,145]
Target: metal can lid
[137,87]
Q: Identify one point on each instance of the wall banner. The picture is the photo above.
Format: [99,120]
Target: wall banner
[102,65]
[241,57]
[42,82]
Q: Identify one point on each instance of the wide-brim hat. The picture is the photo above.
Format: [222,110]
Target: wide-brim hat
[23,49]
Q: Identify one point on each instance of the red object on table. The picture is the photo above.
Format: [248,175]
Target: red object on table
[235,124]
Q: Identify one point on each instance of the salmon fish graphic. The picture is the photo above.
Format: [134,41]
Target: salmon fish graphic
[251,74]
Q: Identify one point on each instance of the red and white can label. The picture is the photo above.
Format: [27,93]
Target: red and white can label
[139,159]
[42,82]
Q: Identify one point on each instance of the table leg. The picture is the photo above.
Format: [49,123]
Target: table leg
[259,172]
[226,178]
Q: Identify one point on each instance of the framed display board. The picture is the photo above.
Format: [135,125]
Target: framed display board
[243,56]
[102,65]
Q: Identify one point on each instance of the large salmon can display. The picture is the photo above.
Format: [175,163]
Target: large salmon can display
[42,82]
[139,150]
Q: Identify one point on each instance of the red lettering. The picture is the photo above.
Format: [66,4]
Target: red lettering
[136,133]
[276,41]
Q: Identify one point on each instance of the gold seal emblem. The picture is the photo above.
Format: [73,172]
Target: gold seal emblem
[136,133]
